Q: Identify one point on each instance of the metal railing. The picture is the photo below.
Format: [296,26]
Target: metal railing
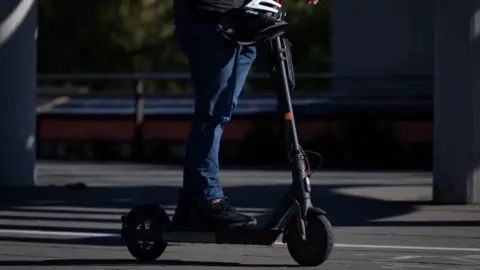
[138,79]
[138,93]
[184,76]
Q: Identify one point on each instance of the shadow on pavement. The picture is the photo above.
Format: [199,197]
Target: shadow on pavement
[100,209]
[342,209]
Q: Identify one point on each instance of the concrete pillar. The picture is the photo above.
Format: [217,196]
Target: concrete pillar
[383,37]
[17,92]
[457,102]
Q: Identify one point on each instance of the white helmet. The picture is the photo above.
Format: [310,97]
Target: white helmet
[258,20]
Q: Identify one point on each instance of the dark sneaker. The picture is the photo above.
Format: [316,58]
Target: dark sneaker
[220,213]
[212,215]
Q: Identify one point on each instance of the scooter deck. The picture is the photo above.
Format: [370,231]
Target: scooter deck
[166,231]
[233,236]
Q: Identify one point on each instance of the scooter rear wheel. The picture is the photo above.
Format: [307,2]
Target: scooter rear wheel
[142,233]
[316,248]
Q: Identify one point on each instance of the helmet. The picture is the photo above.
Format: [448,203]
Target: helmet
[258,20]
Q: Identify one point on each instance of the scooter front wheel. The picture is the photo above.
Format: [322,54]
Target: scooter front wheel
[316,248]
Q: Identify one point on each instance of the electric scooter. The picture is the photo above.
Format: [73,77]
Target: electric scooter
[304,228]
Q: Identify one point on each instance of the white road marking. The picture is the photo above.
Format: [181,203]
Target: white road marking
[407,247]
[407,257]
[58,233]
[406,266]
[339,245]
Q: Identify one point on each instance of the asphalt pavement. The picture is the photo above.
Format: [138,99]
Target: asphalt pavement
[381,220]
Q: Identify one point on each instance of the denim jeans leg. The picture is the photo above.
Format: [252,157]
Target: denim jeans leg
[218,70]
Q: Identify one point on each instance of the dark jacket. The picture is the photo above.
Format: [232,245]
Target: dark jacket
[191,11]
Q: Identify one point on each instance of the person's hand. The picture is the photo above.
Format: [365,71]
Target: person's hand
[311,2]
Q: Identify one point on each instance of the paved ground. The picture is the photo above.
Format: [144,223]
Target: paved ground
[381,220]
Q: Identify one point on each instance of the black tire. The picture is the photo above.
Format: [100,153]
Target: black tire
[318,245]
[146,221]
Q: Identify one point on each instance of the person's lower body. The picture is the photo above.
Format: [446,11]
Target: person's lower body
[218,68]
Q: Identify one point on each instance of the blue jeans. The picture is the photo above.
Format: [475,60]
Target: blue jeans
[218,69]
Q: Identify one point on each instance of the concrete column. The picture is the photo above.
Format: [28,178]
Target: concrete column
[382,37]
[457,102]
[17,92]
